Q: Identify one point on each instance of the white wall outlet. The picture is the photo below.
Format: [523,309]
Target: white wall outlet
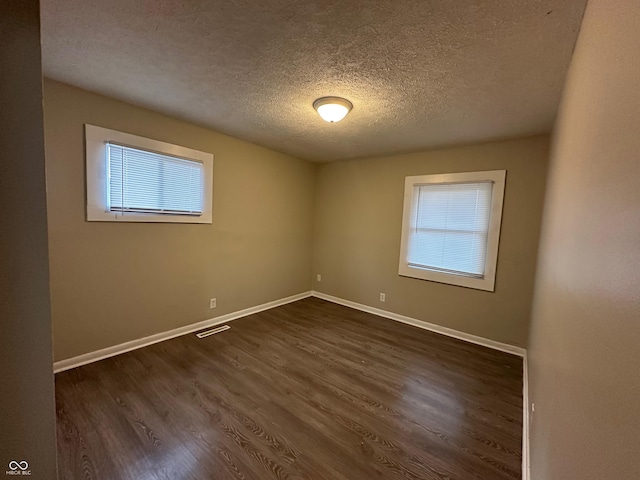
[212,303]
[533,411]
[383,297]
[319,277]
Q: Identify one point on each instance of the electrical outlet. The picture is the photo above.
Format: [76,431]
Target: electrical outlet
[319,277]
[212,303]
[383,297]
[531,415]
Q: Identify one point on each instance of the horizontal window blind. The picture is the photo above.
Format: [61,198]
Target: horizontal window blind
[449,227]
[141,181]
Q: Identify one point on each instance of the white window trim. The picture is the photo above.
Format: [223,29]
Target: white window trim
[96,139]
[487,282]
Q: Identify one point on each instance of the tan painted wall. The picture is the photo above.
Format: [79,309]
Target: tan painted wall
[585,333]
[357,237]
[114,282]
[27,415]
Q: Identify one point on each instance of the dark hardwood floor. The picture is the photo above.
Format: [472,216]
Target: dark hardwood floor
[309,390]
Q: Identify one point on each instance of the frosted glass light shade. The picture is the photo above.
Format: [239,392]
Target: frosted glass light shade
[332,109]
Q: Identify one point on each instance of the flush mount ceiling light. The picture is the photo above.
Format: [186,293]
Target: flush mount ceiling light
[332,109]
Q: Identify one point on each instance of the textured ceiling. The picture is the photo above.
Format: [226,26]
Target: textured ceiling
[420,73]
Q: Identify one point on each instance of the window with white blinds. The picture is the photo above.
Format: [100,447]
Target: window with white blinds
[451,228]
[137,179]
[148,182]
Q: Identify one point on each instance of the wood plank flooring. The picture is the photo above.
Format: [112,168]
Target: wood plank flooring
[309,390]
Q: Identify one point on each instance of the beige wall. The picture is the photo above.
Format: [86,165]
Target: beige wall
[357,237]
[585,333]
[114,282]
[27,415]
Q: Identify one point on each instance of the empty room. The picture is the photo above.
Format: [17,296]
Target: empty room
[320,240]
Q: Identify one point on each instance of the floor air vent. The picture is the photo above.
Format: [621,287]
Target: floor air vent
[213,331]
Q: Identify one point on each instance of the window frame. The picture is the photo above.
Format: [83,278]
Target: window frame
[487,282]
[96,139]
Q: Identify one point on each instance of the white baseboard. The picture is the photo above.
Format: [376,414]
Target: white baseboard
[450,332]
[176,332]
[526,459]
